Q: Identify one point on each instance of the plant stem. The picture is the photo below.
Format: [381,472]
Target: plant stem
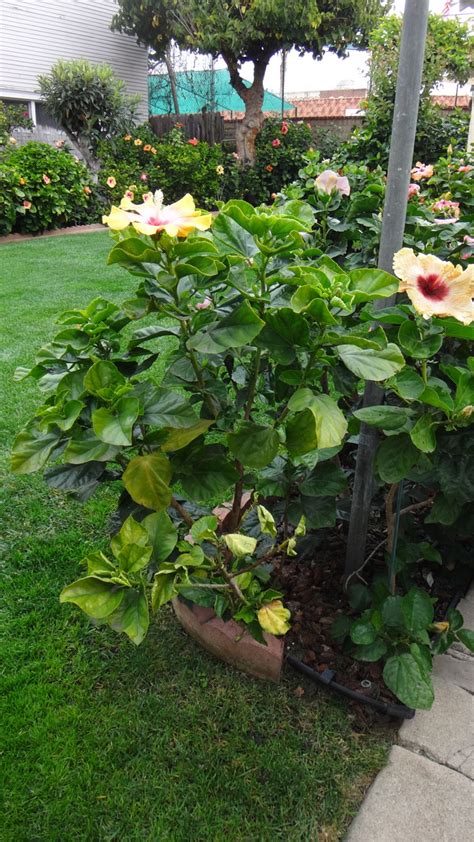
[184,515]
[235,512]
[253,385]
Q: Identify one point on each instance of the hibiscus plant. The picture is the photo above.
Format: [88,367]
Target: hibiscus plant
[227,459]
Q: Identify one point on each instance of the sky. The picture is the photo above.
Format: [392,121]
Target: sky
[305,75]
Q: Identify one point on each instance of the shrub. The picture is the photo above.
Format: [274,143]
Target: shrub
[12,117]
[272,341]
[280,147]
[88,102]
[141,162]
[47,187]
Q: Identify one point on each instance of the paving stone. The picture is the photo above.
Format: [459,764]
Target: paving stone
[446,732]
[415,800]
[455,668]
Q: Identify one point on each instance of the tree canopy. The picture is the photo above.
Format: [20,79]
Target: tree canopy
[253,31]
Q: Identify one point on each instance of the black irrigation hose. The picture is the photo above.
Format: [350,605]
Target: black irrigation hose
[326,678]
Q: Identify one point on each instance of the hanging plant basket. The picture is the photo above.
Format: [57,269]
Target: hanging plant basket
[228,641]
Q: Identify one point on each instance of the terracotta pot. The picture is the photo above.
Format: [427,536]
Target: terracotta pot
[229,642]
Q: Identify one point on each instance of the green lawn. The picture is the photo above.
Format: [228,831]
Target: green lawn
[103,741]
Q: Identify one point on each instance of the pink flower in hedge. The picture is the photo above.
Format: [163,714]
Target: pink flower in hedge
[59,144]
[87,190]
[146,196]
[284,128]
[129,194]
[204,305]
[143,177]
[269,168]
[46,179]
[468,240]
[193,141]
[465,168]
[435,287]
[152,217]
[26,204]
[450,209]
[413,190]
[421,171]
[276,142]
[111,182]
[330,182]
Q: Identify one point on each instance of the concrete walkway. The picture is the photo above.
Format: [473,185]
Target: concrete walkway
[426,791]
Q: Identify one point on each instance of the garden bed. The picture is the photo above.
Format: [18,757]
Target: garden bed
[313,592]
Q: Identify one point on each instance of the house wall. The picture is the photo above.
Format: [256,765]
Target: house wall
[35,33]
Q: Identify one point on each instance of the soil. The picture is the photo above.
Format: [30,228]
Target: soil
[314,594]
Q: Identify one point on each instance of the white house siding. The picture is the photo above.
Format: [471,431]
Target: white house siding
[34,34]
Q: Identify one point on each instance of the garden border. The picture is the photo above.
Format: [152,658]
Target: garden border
[54,232]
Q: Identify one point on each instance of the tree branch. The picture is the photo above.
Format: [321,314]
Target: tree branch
[184,515]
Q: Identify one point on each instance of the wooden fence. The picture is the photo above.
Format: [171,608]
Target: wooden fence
[208,127]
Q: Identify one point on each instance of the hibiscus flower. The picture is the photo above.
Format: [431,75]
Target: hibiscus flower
[435,287]
[329,182]
[152,217]
[413,190]
[111,182]
[421,171]
[193,141]
[46,179]
[284,128]
[276,142]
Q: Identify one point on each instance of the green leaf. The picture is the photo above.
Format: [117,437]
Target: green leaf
[363,632]
[410,683]
[371,651]
[418,344]
[326,480]
[341,628]
[32,449]
[307,299]
[131,546]
[232,238]
[103,379]
[392,613]
[417,610]
[133,250]
[63,417]
[330,424]
[358,596]
[147,478]
[177,439]
[371,364]
[445,510]
[115,426]
[210,476]
[132,616]
[396,456]
[97,598]
[240,545]
[267,521]
[204,529]
[233,331]
[371,284]
[86,447]
[438,394]
[385,417]
[423,435]
[163,590]
[319,512]
[254,444]
[164,408]
[74,477]
[408,384]
[162,535]
[282,331]
[466,636]
[301,435]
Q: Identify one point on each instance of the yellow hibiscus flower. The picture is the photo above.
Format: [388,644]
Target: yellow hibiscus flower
[152,217]
[435,287]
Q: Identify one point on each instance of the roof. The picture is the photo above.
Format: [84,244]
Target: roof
[198,89]
[340,107]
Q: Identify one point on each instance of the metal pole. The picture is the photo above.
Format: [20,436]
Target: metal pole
[410,68]
[282,82]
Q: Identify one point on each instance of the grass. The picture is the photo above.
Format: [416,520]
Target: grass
[103,741]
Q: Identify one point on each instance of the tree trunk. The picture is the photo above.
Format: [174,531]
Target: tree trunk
[249,127]
[172,77]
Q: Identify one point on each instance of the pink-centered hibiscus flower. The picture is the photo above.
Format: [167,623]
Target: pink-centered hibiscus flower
[413,190]
[152,217]
[329,182]
[276,143]
[435,287]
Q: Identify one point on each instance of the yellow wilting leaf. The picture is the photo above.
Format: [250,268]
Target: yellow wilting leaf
[441,627]
[274,617]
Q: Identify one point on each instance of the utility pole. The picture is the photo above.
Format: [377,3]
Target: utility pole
[410,67]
